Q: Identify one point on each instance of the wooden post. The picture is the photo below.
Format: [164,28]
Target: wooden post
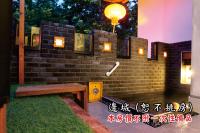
[3,119]
[21,43]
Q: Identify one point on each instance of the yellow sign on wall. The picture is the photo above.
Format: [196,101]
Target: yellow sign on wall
[95,91]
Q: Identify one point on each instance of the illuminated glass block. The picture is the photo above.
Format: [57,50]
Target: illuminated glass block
[165,54]
[141,51]
[59,42]
[186,68]
[107,47]
[186,74]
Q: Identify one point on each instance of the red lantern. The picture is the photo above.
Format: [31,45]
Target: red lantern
[115,12]
[116,1]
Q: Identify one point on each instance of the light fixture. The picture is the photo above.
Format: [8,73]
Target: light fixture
[176,106]
[141,51]
[186,67]
[59,42]
[186,74]
[115,12]
[165,54]
[117,1]
[107,47]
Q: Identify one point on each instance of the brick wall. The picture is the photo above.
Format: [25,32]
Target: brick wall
[55,65]
[173,71]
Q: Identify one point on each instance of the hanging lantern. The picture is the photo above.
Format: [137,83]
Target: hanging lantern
[117,1]
[115,12]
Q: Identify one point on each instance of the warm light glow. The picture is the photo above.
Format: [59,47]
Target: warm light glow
[165,54]
[182,124]
[107,47]
[115,12]
[142,19]
[176,106]
[186,74]
[116,1]
[59,42]
[141,51]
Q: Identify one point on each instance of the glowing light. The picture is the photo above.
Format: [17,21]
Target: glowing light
[107,47]
[182,124]
[142,19]
[141,51]
[176,105]
[116,1]
[115,12]
[59,42]
[165,54]
[186,74]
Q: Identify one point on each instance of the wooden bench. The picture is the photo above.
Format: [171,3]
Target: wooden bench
[79,90]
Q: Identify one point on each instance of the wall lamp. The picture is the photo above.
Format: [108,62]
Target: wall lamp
[107,47]
[165,54]
[141,51]
[59,42]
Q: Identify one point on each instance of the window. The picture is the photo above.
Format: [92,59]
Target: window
[83,43]
[31,37]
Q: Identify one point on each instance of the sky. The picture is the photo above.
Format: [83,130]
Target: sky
[168,21]
[60,1]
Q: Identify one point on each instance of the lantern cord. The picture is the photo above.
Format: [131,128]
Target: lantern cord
[113,28]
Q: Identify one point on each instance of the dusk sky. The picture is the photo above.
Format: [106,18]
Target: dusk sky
[173,20]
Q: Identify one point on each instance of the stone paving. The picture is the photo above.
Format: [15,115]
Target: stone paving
[100,112]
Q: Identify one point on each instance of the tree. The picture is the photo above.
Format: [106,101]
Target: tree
[37,10]
[85,15]
[128,26]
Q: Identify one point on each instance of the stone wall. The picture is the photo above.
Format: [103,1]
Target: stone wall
[173,71]
[56,65]
[173,65]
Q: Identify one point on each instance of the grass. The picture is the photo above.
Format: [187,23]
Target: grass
[43,114]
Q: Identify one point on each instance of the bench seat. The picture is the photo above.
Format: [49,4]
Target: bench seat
[75,88]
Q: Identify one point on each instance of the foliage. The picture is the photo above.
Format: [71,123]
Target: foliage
[42,114]
[128,26]
[85,15]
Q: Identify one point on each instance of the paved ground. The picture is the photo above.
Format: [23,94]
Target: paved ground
[100,111]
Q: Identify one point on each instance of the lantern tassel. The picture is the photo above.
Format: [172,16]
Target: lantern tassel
[113,28]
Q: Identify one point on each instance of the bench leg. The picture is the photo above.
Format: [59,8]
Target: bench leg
[81,98]
[85,100]
[77,95]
